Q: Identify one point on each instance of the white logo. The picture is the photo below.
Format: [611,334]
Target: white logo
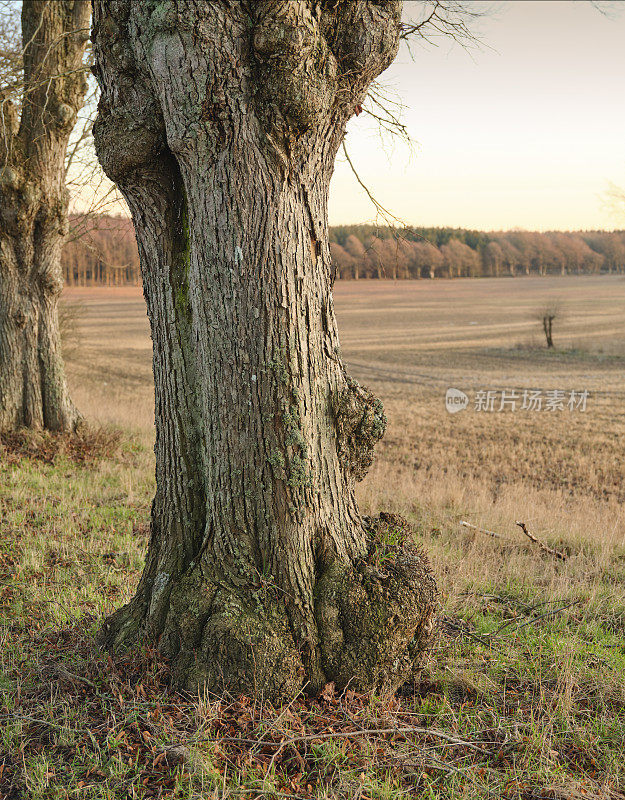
[455,400]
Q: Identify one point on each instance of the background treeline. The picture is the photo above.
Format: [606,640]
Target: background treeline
[102,251]
[365,251]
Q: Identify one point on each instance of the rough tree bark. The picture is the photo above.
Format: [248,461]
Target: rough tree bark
[33,214]
[220,122]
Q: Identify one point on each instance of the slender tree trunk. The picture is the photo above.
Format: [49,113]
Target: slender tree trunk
[33,211]
[220,123]
[548,329]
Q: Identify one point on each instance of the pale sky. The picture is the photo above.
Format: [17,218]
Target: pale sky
[526,132]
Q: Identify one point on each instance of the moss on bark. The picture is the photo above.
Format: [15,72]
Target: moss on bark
[376,616]
[360,424]
[245,648]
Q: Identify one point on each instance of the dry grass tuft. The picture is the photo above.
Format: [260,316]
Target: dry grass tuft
[85,446]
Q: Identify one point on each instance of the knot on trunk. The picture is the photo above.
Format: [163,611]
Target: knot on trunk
[9,118]
[360,424]
[129,131]
[364,37]
[10,178]
[20,318]
[298,69]
[51,282]
[376,616]
[20,202]
[65,116]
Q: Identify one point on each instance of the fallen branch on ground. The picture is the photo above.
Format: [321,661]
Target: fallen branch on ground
[481,530]
[523,527]
[542,545]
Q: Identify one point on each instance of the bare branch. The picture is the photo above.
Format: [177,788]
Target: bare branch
[611,9]
[389,218]
[449,19]
[387,110]
[444,19]
[542,545]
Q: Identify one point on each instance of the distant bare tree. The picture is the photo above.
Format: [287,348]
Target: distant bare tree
[511,256]
[426,261]
[493,258]
[611,247]
[547,315]
[459,258]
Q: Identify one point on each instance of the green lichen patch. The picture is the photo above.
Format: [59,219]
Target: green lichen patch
[276,459]
[299,477]
[277,365]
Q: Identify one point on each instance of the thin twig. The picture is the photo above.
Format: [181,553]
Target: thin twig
[61,672]
[49,723]
[455,627]
[361,732]
[534,619]
[372,731]
[386,215]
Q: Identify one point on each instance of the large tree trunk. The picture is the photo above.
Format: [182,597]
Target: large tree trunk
[33,214]
[220,123]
